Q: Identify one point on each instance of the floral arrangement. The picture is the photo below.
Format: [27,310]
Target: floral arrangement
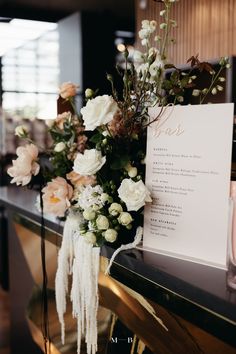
[97,174]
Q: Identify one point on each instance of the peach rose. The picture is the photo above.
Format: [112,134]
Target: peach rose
[25,165]
[77,180]
[56,196]
[67,90]
[61,119]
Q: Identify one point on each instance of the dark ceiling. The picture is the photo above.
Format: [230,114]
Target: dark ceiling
[53,10]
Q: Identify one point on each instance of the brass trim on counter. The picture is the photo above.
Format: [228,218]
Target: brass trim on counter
[176,294]
[34,226]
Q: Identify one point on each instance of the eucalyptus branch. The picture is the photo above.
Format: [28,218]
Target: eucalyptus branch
[214,79]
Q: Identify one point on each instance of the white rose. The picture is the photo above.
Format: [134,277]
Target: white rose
[134,194]
[89,214]
[60,147]
[99,111]
[89,162]
[115,209]
[110,235]
[21,131]
[125,218]
[90,237]
[102,222]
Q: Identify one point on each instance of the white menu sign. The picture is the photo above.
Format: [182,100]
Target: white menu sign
[188,167]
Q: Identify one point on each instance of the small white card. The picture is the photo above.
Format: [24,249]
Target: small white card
[188,166]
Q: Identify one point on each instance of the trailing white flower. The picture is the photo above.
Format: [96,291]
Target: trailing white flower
[125,218]
[88,163]
[134,194]
[89,197]
[110,235]
[102,222]
[99,111]
[115,209]
[84,293]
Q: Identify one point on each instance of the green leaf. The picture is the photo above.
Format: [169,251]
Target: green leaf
[119,162]
[184,81]
[174,76]
[96,138]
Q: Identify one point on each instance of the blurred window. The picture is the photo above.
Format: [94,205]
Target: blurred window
[30,78]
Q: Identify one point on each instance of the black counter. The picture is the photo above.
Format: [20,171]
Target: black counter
[196,292]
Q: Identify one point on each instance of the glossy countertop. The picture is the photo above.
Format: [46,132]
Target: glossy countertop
[196,292]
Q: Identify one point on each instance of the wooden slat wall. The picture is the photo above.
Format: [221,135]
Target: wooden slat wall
[205,27]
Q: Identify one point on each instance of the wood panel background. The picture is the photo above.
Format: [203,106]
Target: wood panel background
[205,27]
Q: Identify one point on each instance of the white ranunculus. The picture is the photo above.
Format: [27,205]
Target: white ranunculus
[89,214]
[99,111]
[59,147]
[110,235]
[102,222]
[134,194]
[125,218]
[89,162]
[90,237]
[115,209]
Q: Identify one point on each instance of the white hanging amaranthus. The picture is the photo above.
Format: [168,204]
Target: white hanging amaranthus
[84,293]
[81,260]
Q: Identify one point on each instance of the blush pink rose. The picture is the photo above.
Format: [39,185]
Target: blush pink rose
[25,165]
[61,119]
[67,90]
[77,180]
[56,196]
